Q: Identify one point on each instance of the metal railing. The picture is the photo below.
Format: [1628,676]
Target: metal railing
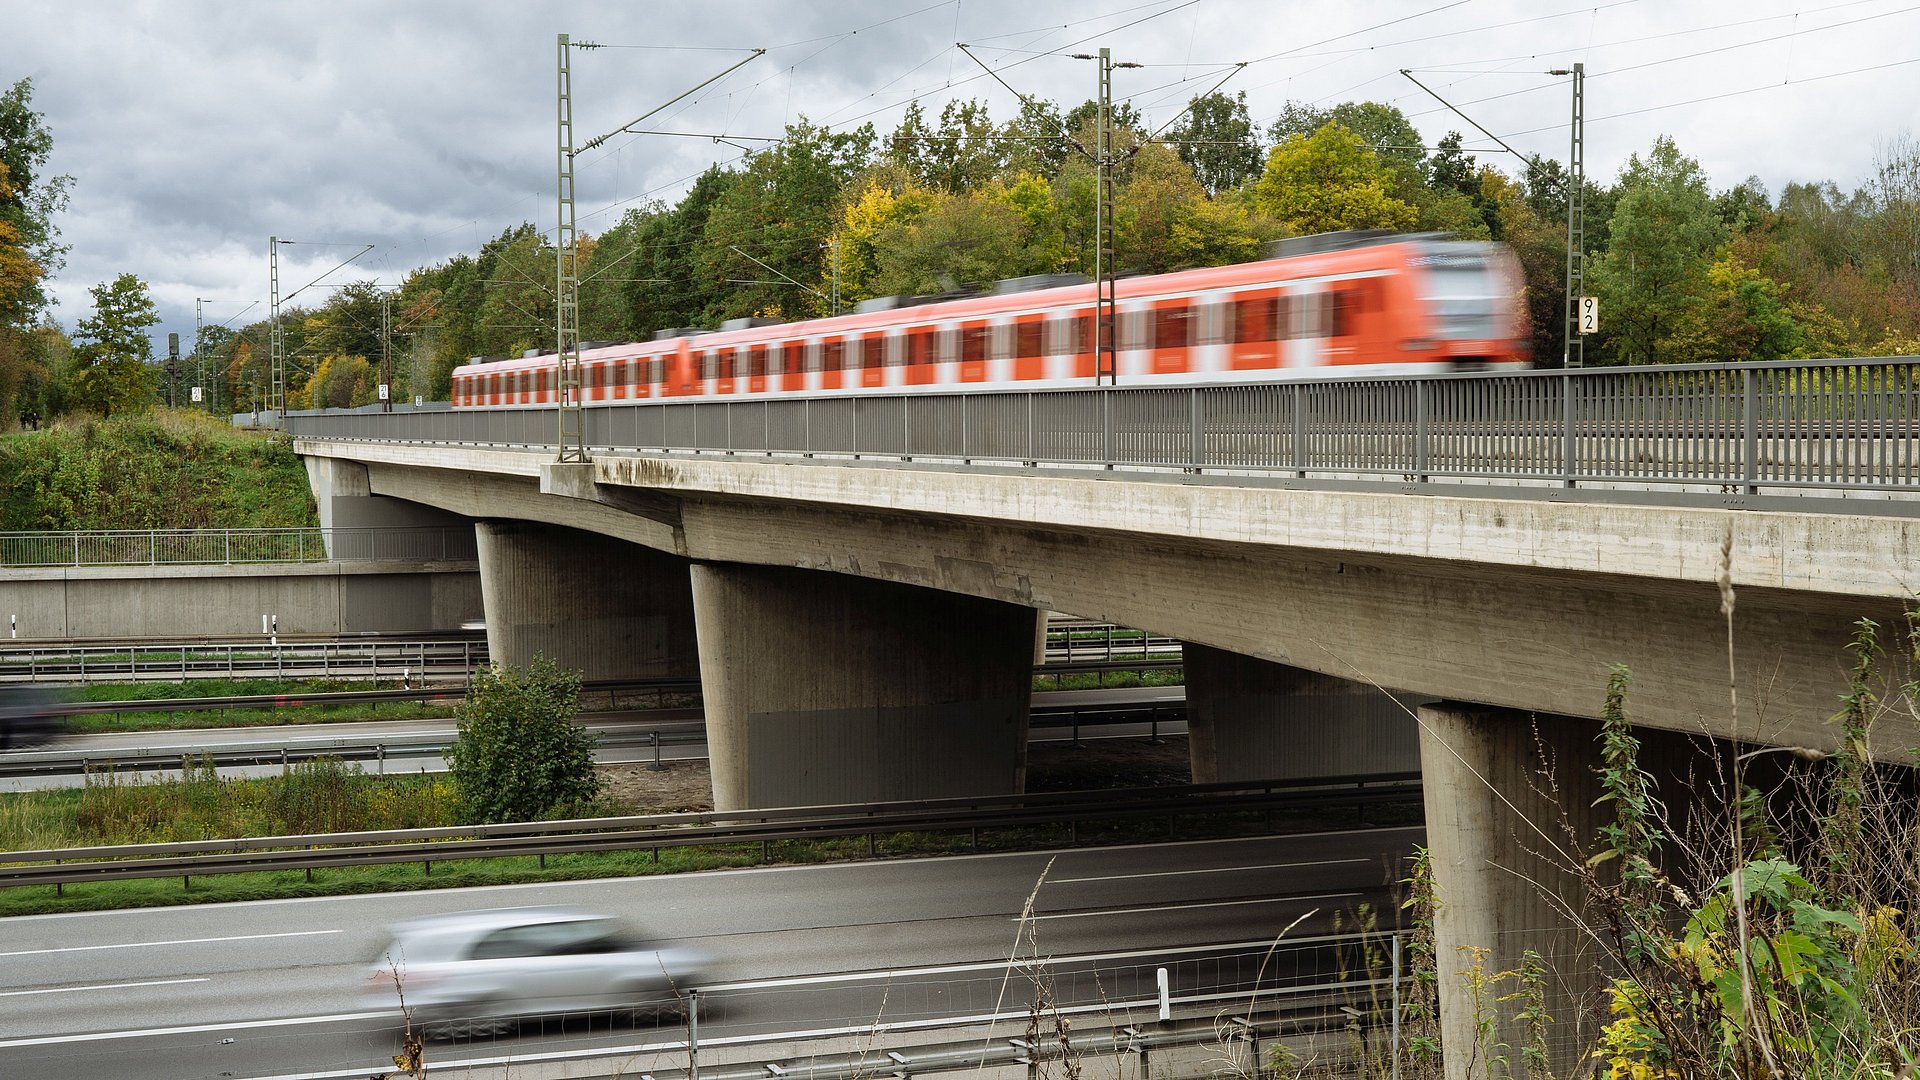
[175,547]
[1821,427]
[185,860]
[390,659]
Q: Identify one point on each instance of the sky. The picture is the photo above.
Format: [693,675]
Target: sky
[194,130]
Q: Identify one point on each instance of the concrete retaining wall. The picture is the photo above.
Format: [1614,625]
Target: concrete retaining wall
[184,602]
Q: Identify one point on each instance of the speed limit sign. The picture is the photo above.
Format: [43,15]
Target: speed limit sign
[1589,315]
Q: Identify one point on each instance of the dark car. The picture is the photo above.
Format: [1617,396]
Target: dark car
[485,969]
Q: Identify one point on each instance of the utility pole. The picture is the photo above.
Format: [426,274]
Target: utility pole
[567,271]
[567,285]
[1106,356]
[276,345]
[386,352]
[1574,353]
[199,359]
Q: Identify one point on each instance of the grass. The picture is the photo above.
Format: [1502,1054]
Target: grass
[103,723]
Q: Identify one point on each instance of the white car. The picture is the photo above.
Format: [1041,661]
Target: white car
[474,969]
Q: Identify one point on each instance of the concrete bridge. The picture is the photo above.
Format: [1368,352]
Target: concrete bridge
[863,628]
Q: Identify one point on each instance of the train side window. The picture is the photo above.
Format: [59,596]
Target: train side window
[1172,327]
[834,355]
[896,347]
[1254,318]
[1027,338]
[873,351]
[1340,313]
[920,345]
[1286,306]
[1211,324]
[1135,328]
[973,344]
[1000,342]
[792,357]
[946,345]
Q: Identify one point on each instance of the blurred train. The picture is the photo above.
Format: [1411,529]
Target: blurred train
[1317,306]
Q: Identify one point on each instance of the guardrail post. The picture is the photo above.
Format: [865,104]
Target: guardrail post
[693,1032]
[153,548]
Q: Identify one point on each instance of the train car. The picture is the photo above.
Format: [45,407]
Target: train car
[1320,306]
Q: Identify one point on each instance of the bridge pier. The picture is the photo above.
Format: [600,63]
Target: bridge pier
[1252,719]
[1502,871]
[603,607]
[825,688]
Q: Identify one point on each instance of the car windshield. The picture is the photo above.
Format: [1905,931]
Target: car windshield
[568,938]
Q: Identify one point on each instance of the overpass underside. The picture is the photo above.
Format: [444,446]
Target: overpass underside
[864,632]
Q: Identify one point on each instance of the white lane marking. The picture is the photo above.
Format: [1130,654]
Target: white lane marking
[181,941]
[1205,870]
[102,986]
[1187,907]
[195,1029]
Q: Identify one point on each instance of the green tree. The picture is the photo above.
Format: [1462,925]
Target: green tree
[1662,237]
[29,201]
[965,239]
[519,756]
[113,374]
[1329,181]
[1218,142]
[779,210]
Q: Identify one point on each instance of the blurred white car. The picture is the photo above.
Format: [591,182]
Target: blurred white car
[470,968]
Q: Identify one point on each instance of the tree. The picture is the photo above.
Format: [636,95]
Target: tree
[1663,235]
[519,755]
[113,375]
[1329,181]
[28,203]
[1218,142]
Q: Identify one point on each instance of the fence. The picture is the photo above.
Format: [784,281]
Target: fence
[1802,427]
[171,547]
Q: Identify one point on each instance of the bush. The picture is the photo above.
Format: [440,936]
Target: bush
[519,756]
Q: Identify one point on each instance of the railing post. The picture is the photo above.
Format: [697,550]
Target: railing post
[1422,429]
[1033,461]
[1566,430]
[966,425]
[1749,432]
[1106,427]
[1193,423]
[153,552]
[1299,431]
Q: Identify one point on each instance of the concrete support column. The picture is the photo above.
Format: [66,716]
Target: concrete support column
[1501,863]
[825,688]
[604,607]
[1252,719]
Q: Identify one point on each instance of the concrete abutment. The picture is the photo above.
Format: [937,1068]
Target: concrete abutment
[825,688]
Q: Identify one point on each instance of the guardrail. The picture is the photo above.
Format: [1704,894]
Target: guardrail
[228,547]
[185,860]
[1816,427]
[383,659]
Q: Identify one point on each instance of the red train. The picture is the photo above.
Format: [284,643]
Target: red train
[1335,304]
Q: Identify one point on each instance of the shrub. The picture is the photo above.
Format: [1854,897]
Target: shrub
[519,756]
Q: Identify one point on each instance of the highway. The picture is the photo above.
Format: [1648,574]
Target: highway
[412,745]
[270,989]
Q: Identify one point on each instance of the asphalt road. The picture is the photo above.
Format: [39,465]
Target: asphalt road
[272,989]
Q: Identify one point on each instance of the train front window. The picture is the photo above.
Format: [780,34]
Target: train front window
[1463,291]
